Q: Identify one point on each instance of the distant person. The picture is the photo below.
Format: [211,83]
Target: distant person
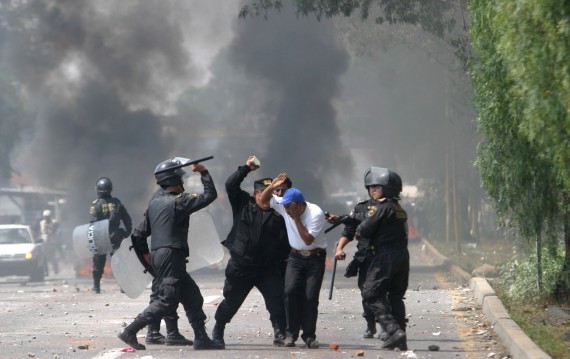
[306,264]
[111,208]
[166,221]
[258,244]
[48,232]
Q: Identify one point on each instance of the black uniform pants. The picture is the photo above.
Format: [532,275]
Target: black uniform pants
[99,261]
[303,280]
[386,284]
[240,280]
[174,286]
[362,270]
[155,291]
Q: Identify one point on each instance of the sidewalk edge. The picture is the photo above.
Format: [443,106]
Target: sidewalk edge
[519,344]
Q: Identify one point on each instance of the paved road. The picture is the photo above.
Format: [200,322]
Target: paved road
[61,318]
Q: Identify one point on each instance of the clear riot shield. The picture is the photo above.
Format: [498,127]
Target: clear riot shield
[129,271]
[205,250]
[92,238]
[203,241]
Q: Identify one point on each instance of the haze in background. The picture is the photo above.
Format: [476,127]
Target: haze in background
[117,87]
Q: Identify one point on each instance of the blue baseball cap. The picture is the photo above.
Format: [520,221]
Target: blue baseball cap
[292,195]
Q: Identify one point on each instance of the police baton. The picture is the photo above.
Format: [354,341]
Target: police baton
[333,273]
[185,162]
[337,223]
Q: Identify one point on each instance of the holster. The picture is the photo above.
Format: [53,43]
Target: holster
[352,269]
[140,256]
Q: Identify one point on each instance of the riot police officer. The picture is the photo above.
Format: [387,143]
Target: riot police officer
[168,218]
[384,227]
[111,208]
[364,252]
[258,246]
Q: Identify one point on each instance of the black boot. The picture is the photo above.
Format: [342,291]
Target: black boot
[153,335]
[396,336]
[129,334]
[173,336]
[202,340]
[370,329]
[218,335]
[278,335]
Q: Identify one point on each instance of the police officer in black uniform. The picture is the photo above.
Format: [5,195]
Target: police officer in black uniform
[385,228]
[167,219]
[108,207]
[361,260]
[258,246]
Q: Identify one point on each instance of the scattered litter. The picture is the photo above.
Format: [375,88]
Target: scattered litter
[128,350]
[491,355]
[360,353]
[436,333]
[433,348]
[83,347]
[333,346]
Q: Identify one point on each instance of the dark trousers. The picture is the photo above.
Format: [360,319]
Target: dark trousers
[303,280]
[155,291]
[240,280]
[386,284]
[99,261]
[363,269]
[174,286]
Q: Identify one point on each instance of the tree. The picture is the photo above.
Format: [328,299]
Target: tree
[526,173]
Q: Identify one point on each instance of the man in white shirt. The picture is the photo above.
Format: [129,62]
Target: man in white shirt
[305,224]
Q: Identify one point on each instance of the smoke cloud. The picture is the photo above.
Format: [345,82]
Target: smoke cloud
[117,87]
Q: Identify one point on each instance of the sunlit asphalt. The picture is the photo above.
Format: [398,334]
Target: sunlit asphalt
[61,318]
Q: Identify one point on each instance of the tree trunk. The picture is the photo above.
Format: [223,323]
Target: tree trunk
[456,211]
[562,286]
[447,204]
[539,262]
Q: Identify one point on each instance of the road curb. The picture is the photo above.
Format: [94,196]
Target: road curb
[519,344]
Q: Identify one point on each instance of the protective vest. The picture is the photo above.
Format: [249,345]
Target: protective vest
[111,208]
[386,225]
[166,232]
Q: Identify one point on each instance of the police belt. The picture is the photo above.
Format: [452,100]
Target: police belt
[307,252]
[390,246]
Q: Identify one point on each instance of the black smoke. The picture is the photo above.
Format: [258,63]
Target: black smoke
[102,79]
[296,64]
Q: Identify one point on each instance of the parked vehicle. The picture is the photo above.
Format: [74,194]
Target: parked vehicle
[20,253]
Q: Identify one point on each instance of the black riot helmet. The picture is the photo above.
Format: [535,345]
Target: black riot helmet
[165,177]
[390,181]
[104,186]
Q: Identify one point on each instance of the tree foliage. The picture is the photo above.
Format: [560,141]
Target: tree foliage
[430,15]
[521,80]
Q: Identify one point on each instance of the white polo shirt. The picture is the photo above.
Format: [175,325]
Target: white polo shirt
[313,219]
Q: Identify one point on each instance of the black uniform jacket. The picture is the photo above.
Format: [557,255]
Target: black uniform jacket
[170,214]
[385,225]
[107,207]
[258,237]
[351,223]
